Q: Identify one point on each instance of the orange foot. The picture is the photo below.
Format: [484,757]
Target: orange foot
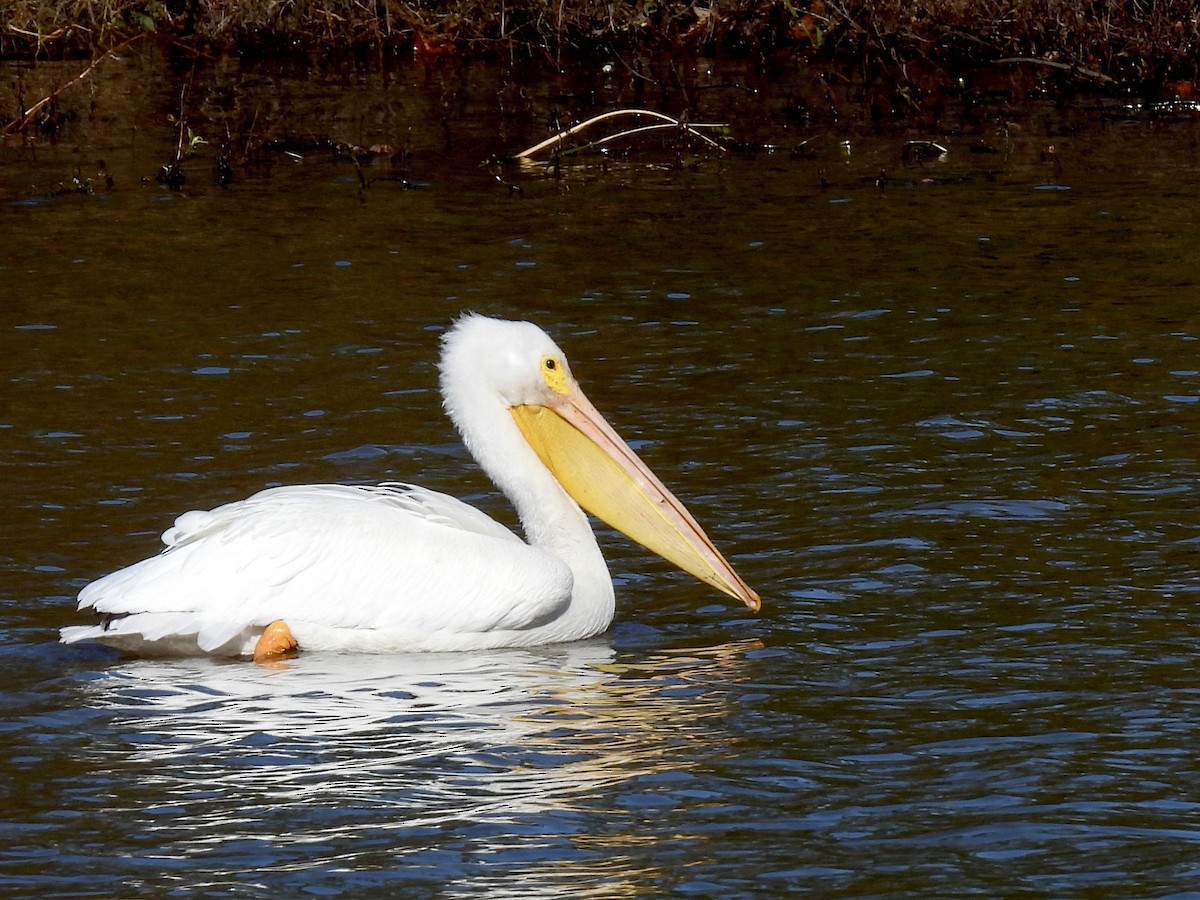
[276,641]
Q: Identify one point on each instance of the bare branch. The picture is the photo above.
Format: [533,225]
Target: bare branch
[672,123]
[22,122]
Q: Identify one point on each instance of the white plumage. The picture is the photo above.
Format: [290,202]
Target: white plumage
[395,567]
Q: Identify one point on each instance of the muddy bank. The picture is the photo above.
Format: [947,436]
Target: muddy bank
[1151,50]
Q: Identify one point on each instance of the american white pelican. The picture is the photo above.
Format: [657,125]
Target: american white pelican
[395,567]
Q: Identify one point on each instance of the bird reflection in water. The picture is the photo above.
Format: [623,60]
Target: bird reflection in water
[480,768]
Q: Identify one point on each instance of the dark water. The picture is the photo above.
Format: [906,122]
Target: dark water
[946,426]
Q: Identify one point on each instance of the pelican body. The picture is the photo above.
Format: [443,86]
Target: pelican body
[394,567]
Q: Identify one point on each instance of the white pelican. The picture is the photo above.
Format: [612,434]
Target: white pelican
[397,568]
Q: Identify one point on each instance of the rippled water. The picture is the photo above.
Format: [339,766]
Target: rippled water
[946,426]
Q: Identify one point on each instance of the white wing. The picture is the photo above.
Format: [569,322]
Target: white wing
[392,564]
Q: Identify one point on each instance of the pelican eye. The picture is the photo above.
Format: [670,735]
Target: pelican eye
[554,373]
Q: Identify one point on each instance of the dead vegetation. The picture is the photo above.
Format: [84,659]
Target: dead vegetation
[1152,48]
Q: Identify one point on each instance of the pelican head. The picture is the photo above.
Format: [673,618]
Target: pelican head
[510,390]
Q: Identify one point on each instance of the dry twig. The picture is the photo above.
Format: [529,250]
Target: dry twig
[22,122]
[588,123]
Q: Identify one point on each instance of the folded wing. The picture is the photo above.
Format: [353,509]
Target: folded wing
[382,560]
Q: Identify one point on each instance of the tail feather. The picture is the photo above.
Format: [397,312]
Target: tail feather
[167,634]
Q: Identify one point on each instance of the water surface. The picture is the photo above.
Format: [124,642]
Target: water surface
[944,420]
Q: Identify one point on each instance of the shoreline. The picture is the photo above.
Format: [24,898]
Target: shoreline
[930,45]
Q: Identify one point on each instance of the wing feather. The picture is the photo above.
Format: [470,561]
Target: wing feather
[391,558]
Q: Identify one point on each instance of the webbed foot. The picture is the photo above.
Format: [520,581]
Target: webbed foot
[275,641]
